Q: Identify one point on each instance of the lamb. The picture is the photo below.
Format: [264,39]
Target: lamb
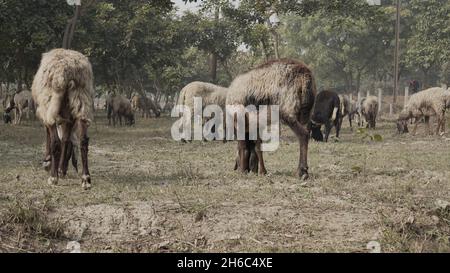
[144,104]
[20,101]
[211,94]
[430,102]
[326,111]
[369,110]
[118,107]
[286,83]
[64,94]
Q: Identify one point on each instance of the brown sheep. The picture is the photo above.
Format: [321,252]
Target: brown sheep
[118,107]
[145,104]
[20,102]
[286,83]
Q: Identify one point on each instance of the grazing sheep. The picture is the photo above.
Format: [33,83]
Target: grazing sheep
[211,94]
[145,104]
[348,108]
[63,92]
[430,102]
[286,83]
[21,101]
[326,111]
[118,107]
[369,110]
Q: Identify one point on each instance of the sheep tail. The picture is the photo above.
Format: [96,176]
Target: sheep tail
[342,106]
[335,111]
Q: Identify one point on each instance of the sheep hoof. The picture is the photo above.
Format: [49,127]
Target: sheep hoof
[52,180]
[85,182]
[46,165]
[303,174]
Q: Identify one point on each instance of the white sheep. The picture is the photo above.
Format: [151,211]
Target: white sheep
[430,102]
[368,110]
[63,92]
[211,94]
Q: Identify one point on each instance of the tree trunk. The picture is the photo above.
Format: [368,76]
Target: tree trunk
[358,81]
[425,78]
[70,28]
[213,67]
[264,50]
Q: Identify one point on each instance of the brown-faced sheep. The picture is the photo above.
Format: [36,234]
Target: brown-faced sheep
[286,83]
[118,107]
[63,92]
[20,102]
[144,104]
[326,111]
[430,102]
[369,110]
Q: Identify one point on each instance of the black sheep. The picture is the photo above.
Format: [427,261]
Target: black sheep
[326,111]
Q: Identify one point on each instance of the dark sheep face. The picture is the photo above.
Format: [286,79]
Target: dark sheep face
[7,118]
[131,119]
[402,126]
[316,133]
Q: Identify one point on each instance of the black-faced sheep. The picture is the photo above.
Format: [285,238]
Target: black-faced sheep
[424,104]
[118,107]
[326,111]
[286,83]
[63,92]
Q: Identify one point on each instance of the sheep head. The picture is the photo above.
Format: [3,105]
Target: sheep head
[7,117]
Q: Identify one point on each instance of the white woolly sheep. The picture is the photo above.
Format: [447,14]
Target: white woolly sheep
[430,102]
[63,92]
[286,83]
[369,110]
[211,94]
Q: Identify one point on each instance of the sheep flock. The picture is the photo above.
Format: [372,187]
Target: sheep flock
[62,95]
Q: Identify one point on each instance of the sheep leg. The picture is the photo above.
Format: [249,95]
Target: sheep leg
[337,125]
[114,119]
[327,130]
[73,155]
[244,155]
[47,158]
[66,148]
[416,123]
[303,138]
[55,150]
[84,147]
[259,154]
[19,116]
[350,121]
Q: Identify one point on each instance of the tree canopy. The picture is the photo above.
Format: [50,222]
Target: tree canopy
[149,46]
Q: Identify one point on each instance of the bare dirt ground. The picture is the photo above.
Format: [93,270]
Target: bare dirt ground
[152,194]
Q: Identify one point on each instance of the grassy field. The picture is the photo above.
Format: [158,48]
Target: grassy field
[152,194]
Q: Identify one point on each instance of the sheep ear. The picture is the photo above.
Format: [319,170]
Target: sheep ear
[71,85]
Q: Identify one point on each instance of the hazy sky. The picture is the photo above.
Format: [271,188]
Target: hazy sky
[183,7]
